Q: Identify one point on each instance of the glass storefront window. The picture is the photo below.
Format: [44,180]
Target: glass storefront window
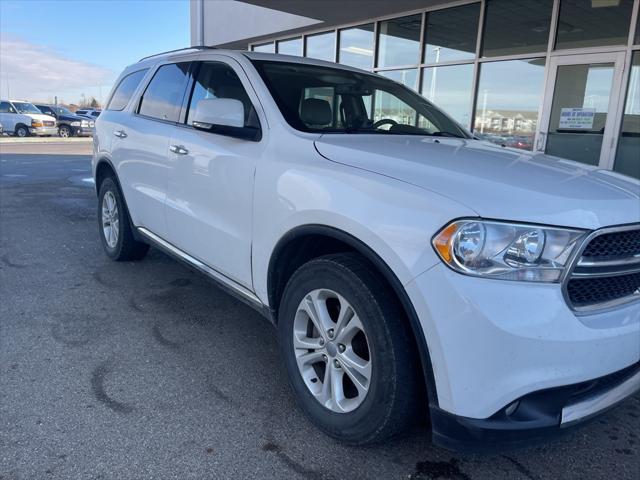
[580,91]
[290,47]
[265,48]
[451,34]
[450,88]
[356,47]
[513,28]
[399,41]
[509,95]
[322,46]
[628,153]
[593,23]
[407,77]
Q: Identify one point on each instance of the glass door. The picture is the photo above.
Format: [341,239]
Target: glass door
[581,100]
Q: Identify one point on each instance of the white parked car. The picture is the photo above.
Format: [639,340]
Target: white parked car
[410,269]
[23,119]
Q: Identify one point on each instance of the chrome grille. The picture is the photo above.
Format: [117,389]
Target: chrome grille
[606,271]
[48,123]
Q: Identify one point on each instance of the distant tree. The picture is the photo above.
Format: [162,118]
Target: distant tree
[94,103]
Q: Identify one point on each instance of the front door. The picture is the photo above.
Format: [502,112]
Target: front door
[209,206]
[581,99]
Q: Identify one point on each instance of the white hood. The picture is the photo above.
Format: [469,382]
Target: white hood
[495,182]
[41,116]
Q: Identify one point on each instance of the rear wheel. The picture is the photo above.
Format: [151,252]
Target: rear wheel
[116,231]
[347,350]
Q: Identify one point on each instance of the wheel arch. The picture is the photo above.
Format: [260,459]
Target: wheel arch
[306,242]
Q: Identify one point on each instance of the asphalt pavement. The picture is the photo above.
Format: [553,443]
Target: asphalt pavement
[148,370]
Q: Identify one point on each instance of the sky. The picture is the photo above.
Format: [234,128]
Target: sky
[71,48]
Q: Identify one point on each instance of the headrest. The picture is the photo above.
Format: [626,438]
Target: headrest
[315,111]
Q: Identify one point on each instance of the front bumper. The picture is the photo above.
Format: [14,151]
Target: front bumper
[536,417]
[83,131]
[41,131]
[493,342]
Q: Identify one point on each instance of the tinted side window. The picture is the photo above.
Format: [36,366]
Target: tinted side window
[217,80]
[5,107]
[45,110]
[125,89]
[163,97]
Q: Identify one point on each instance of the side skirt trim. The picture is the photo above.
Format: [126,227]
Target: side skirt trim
[228,285]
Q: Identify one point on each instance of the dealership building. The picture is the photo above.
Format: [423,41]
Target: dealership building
[556,76]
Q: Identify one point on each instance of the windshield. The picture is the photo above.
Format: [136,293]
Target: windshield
[332,100]
[64,111]
[24,107]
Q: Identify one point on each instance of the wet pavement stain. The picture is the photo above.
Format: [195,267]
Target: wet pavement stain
[298,468]
[97,386]
[439,470]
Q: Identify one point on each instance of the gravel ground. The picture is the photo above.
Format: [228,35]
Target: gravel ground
[147,370]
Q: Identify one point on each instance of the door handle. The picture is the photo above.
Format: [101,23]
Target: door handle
[120,134]
[178,149]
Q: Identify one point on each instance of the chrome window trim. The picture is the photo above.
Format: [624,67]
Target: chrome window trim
[574,263]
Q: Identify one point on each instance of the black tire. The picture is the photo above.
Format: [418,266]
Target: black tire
[126,247]
[389,406]
[64,131]
[21,131]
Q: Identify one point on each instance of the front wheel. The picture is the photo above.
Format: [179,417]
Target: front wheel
[347,350]
[116,231]
[22,131]
[64,131]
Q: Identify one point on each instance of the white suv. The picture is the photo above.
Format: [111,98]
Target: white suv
[410,269]
[23,119]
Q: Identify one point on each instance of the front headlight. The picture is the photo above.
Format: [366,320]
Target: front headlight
[75,124]
[507,251]
[36,123]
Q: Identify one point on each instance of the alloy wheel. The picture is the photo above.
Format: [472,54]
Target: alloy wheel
[332,350]
[110,219]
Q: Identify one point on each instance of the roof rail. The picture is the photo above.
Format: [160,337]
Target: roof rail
[195,47]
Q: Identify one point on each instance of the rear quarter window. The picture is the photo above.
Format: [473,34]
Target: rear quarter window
[123,92]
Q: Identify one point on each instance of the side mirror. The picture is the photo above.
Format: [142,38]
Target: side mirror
[218,111]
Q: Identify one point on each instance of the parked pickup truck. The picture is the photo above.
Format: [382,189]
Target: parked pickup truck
[410,269]
[69,124]
[23,119]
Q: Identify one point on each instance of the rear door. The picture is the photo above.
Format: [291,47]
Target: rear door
[140,146]
[211,174]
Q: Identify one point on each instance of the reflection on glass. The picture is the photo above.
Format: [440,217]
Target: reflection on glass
[509,94]
[290,47]
[450,88]
[322,46]
[356,47]
[628,153]
[407,77]
[399,41]
[265,48]
[516,27]
[451,34]
[591,23]
[579,111]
